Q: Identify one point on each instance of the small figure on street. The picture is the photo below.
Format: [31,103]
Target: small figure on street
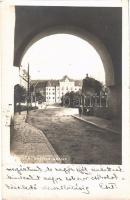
[80,111]
[88,111]
[85,110]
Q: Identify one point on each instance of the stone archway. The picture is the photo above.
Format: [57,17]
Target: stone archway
[101,50]
[103,33]
[91,39]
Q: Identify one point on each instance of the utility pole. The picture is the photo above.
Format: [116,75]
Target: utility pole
[28,89]
[35,91]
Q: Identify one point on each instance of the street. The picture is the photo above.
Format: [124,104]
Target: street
[75,140]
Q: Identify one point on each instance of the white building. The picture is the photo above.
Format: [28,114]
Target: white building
[68,85]
[53,90]
[15,76]
[23,74]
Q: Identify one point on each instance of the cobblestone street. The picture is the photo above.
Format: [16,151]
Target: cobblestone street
[78,141]
[29,145]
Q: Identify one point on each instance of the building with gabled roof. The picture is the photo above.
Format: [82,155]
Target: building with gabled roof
[53,90]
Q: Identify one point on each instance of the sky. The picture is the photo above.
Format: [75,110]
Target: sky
[57,55]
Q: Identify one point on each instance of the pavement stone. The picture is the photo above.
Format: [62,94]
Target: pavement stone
[29,144]
[105,124]
[75,141]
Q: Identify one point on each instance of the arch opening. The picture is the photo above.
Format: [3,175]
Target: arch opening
[89,38]
[63,54]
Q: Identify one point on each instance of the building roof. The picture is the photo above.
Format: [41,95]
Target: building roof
[45,83]
[53,83]
[39,83]
[66,77]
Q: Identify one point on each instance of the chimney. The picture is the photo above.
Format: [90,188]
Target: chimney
[86,75]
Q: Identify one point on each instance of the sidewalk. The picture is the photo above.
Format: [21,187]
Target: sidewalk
[109,125]
[30,145]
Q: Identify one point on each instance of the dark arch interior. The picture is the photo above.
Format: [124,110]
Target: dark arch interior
[104,23]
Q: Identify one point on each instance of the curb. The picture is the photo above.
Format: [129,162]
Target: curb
[98,126]
[50,147]
[55,155]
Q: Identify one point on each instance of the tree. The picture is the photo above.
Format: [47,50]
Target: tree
[71,99]
[40,97]
[91,86]
[19,93]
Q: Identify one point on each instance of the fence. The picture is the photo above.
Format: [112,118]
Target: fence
[86,101]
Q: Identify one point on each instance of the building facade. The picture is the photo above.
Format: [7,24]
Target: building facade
[23,74]
[53,90]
